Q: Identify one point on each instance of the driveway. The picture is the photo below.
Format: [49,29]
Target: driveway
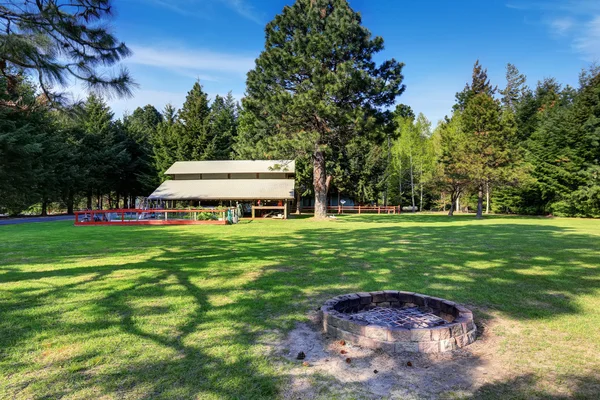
[26,220]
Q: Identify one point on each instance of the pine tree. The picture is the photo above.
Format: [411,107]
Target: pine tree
[515,89]
[452,169]
[315,83]
[164,143]
[194,131]
[479,84]
[55,44]
[139,129]
[223,128]
[23,130]
[103,150]
[489,145]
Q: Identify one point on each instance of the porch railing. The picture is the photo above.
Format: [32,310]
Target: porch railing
[134,216]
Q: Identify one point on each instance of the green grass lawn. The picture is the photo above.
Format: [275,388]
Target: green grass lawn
[189,311]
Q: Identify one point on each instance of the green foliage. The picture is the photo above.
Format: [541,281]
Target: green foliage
[223,128]
[192,134]
[207,216]
[23,130]
[56,42]
[315,85]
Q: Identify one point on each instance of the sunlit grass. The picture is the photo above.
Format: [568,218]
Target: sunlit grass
[179,311]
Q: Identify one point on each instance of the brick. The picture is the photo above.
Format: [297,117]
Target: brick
[378,297]
[462,309]
[472,336]
[330,319]
[462,340]
[468,326]
[352,300]
[399,334]
[411,347]
[350,337]
[384,304]
[406,297]
[344,323]
[396,304]
[330,330]
[447,307]
[440,333]
[419,299]
[447,345]
[420,335]
[434,302]
[391,295]
[356,327]
[456,329]
[365,298]
[429,347]
[376,332]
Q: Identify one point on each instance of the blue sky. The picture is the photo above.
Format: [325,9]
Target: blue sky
[176,42]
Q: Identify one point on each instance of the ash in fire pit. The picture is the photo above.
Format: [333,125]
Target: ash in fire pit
[399,321]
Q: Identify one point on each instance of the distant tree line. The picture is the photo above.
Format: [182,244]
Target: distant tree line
[82,157]
[315,95]
[515,150]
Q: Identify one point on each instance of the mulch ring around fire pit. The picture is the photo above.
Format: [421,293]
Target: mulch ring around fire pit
[330,367]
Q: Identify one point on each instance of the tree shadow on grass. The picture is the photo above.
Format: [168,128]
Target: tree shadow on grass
[527,387]
[201,304]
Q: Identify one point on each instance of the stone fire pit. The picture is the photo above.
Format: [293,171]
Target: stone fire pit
[399,321]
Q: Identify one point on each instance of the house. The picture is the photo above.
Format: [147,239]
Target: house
[262,186]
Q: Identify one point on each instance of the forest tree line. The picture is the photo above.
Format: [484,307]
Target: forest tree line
[507,149]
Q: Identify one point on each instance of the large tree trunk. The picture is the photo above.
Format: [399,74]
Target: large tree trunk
[70,201]
[487,197]
[44,208]
[458,202]
[453,201]
[89,200]
[320,184]
[298,200]
[480,202]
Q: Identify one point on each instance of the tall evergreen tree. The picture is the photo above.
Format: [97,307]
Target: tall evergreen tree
[223,128]
[164,143]
[515,89]
[23,130]
[194,132]
[316,82]
[480,83]
[104,152]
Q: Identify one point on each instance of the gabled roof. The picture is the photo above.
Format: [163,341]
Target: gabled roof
[225,189]
[232,167]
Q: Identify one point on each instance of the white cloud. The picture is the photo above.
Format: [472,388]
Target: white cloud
[203,9]
[588,41]
[578,21]
[562,25]
[194,62]
[243,8]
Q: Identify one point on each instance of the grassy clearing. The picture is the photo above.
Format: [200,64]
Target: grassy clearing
[183,311]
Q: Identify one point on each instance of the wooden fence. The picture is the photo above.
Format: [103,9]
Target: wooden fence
[356,209]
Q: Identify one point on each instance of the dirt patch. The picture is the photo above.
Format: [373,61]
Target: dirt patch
[333,369]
